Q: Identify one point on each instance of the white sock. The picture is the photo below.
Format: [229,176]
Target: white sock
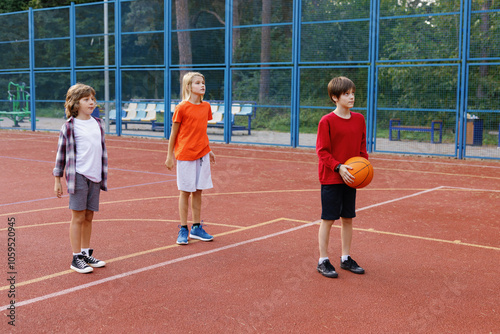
[85,251]
[344,258]
[77,254]
[321,259]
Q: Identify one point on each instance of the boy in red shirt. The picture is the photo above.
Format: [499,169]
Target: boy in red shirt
[341,135]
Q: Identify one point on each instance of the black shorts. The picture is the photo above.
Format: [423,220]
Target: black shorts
[337,200]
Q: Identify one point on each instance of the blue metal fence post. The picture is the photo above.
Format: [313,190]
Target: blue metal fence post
[31,34]
[118,62]
[228,37]
[167,21]
[463,82]
[72,43]
[372,78]
[295,105]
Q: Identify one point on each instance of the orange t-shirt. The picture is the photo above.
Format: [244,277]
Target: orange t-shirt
[192,139]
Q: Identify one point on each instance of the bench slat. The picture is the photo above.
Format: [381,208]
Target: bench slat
[395,125]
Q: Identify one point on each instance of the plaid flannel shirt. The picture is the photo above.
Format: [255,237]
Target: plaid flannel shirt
[66,155]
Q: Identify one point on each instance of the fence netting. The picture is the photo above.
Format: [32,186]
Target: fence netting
[427,73]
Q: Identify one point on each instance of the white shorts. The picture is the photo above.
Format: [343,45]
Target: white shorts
[194,175]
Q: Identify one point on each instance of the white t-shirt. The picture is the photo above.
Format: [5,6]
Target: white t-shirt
[88,149]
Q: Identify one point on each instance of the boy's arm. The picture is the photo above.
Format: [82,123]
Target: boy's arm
[171,144]
[323,146]
[61,154]
[58,187]
[212,157]
[362,149]
[58,170]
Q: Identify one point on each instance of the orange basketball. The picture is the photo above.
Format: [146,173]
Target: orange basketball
[362,170]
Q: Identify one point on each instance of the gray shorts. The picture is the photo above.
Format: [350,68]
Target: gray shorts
[86,196]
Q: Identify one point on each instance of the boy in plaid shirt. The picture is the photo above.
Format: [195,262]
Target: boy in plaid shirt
[86,171]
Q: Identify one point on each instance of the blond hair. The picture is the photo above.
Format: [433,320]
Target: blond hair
[187,80]
[74,95]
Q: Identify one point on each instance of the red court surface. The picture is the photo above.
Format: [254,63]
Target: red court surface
[427,233]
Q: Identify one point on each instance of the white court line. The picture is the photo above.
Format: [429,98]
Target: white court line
[192,256]
[154,266]
[400,198]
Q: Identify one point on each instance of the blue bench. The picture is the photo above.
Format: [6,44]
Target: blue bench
[238,109]
[436,125]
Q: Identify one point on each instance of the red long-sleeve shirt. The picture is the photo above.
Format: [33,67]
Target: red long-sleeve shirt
[338,140]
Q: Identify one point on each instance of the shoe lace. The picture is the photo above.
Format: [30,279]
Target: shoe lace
[91,259]
[182,231]
[80,262]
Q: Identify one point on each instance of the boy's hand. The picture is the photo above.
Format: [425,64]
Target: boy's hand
[344,173]
[169,162]
[58,188]
[212,157]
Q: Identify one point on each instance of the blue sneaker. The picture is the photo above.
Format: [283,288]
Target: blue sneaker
[182,239]
[197,232]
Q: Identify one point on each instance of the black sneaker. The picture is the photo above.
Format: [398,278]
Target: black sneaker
[79,265]
[352,266]
[326,269]
[92,261]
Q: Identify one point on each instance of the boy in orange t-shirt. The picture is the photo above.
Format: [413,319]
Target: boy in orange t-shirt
[190,142]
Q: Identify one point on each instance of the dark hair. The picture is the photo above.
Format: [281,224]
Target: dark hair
[339,85]
[74,95]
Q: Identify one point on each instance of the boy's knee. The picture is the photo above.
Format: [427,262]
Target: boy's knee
[346,221]
[327,222]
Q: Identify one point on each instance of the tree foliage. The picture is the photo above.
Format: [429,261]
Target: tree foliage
[333,32]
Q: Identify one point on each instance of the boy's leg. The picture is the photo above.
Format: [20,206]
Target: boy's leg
[197,231]
[196,206]
[182,237]
[346,235]
[87,229]
[324,236]
[183,207]
[324,266]
[75,230]
[85,237]
[75,235]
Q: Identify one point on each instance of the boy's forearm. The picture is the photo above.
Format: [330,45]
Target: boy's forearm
[172,139]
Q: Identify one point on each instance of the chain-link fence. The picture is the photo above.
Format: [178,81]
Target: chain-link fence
[427,72]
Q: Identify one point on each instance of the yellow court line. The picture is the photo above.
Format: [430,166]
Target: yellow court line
[115,219]
[43,278]
[455,242]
